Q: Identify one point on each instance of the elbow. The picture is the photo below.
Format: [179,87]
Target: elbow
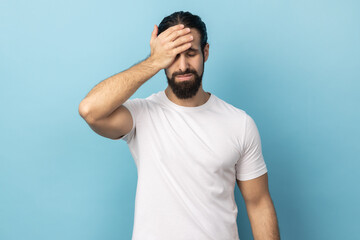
[84,110]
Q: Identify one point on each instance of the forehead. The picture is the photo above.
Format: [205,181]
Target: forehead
[196,35]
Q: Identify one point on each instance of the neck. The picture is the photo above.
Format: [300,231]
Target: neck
[200,98]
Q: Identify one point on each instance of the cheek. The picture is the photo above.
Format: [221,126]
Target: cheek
[198,65]
[168,72]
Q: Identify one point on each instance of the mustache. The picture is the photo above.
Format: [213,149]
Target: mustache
[188,71]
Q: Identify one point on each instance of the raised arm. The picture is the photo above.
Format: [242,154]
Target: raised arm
[102,107]
[260,208]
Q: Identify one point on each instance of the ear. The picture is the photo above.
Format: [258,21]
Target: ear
[206,52]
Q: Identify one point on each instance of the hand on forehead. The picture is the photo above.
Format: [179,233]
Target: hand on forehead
[179,30]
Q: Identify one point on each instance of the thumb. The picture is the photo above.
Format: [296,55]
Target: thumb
[154,32]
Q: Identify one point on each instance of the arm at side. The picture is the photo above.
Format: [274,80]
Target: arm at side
[260,208]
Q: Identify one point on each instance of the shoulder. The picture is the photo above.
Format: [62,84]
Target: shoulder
[139,105]
[229,110]
[151,99]
[154,98]
[237,119]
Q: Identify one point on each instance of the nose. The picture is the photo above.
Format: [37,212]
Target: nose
[183,63]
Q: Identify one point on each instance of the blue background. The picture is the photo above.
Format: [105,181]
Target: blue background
[294,66]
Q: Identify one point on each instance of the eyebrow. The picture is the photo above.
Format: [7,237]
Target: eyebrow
[193,49]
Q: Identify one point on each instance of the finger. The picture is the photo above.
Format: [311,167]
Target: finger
[182,40]
[154,32]
[168,31]
[181,48]
[174,35]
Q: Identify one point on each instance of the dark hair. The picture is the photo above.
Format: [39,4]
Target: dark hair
[189,20]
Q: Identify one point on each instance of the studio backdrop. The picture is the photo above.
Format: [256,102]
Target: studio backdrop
[294,66]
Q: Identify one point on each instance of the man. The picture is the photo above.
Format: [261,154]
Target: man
[189,146]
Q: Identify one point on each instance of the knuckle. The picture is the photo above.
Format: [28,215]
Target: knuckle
[187,39]
[173,35]
[177,27]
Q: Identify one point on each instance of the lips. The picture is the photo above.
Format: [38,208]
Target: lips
[184,77]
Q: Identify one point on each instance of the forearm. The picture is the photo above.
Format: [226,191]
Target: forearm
[111,93]
[263,220]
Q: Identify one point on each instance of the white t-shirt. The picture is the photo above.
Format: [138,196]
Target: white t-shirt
[188,159]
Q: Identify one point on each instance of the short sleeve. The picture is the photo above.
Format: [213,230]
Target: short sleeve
[251,163]
[133,105]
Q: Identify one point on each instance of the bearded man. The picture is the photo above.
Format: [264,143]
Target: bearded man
[190,147]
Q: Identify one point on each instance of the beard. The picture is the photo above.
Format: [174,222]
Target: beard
[188,88]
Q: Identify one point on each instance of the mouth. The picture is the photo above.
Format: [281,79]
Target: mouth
[184,77]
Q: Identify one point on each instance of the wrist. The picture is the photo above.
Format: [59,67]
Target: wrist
[151,62]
